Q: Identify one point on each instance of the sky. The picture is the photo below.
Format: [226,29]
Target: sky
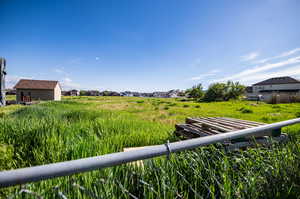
[149,45]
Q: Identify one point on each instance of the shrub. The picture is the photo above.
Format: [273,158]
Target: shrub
[224,92]
[195,92]
[140,101]
[185,106]
[297,114]
[246,110]
[197,106]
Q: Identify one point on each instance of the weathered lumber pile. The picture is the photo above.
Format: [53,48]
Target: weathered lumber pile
[206,126]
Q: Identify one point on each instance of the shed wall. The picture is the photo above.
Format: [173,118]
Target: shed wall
[57,93]
[258,88]
[36,94]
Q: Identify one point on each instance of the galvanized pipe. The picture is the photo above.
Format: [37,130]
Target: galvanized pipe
[2,81]
[37,173]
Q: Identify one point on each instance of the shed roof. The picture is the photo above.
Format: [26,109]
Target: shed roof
[36,84]
[278,80]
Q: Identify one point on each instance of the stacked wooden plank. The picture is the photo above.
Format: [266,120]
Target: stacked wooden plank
[205,126]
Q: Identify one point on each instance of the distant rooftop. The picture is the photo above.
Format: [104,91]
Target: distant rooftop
[278,80]
[35,84]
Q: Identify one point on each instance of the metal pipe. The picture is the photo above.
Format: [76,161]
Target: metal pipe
[37,173]
[2,81]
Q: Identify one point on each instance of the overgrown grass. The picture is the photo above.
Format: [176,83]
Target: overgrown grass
[79,127]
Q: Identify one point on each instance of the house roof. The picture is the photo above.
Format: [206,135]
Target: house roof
[36,84]
[278,80]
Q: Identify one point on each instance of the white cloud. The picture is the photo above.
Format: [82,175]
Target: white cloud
[205,75]
[67,84]
[12,80]
[250,56]
[57,70]
[284,54]
[97,58]
[262,68]
[291,71]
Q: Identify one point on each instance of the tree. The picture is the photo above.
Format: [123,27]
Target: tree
[215,92]
[195,92]
[234,90]
[83,93]
[224,92]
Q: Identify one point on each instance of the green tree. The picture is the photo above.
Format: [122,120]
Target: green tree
[215,92]
[234,90]
[195,92]
[83,93]
[224,92]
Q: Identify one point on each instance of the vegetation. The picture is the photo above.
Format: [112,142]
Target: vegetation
[79,127]
[195,92]
[217,92]
[224,92]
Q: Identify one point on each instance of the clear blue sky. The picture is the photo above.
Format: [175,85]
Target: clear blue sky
[147,45]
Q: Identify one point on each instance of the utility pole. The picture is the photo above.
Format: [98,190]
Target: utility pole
[2,81]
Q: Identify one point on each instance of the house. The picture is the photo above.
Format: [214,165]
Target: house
[160,94]
[275,90]
[93,93]
[127,94]
[173,93]
[11,92]
[33,90]
[71,93]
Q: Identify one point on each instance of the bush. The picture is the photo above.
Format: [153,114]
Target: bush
[246,110]
[185,106]
[195,92]
[224,92]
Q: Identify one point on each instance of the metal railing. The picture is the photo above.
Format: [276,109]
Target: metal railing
[37,173]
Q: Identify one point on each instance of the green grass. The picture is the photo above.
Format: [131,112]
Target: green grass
[79,127]
[10,97]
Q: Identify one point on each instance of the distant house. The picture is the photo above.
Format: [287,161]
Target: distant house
[173,93]
[71,93]
[275,90]
[33,90]
[160,94]
[127,94]
[93,93]
[11,92]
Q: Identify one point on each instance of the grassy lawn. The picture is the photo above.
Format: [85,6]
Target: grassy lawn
[79,127]
[10,97]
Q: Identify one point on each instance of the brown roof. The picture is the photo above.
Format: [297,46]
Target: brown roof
[35,84]
[278,80]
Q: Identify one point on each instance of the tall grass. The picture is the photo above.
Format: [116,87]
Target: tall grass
[83,127]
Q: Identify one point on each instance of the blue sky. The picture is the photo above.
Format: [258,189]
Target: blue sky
[147,45]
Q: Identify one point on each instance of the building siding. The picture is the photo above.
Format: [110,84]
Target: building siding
[37,94]
[258,88]
[57,93]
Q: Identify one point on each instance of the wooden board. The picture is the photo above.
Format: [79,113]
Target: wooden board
[206,126]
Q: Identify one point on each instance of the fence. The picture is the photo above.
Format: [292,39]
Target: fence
[38,173]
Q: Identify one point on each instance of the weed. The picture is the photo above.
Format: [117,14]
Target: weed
[245,110]
[80,127]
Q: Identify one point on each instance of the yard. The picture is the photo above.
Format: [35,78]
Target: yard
[79,127]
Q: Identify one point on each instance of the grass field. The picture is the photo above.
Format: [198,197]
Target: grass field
[79,127]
